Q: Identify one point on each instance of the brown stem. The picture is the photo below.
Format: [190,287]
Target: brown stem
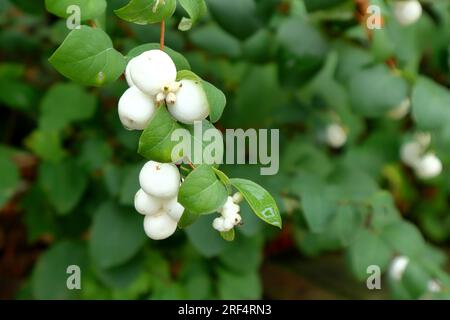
[163,31]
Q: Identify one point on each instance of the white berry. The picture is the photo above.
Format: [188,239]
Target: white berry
[218,224]
[238,197]
[429,166]
[152,70]
[407,11]
[398,267]
[161,180]
[146,204]
[159,226]
[128,73]
[174,209]
[191,103]
[410,153]
[335,136]
[135,109]
[401,110]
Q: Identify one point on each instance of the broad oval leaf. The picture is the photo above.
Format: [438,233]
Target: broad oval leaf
[10,179]
[89,9]
[117,235]
[87,56]
[180,61]
[147,11]
[156,140]
[201,192]
[260,200]
[195,9]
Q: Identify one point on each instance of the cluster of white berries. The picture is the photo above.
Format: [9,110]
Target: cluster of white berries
[152,80]
[407,12]
[158,199]
[230,216]
[414,154]
[335,135]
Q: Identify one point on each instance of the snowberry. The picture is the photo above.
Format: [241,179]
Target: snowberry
[429,166]
[135,109]
[146,204]
[159,226]
[173,208]
[161,180]
[128,73]
[227,224]
[398,267]
[218,224]
[229,207]
[407,11]
[190,104]
[238,197]
[433,286]
[335,135]
[401,110]
[152,70]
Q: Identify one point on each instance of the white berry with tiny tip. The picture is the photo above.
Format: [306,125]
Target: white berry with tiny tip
[398,267]
[128,73]
[174,209]
[407,12]
[152,70]
[429,166]
[191,103]
[161,180]
[159,226]
[135,109]
[146,204]
[335,136]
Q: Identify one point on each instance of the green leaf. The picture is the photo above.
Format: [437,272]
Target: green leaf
[63,104]
[430,103]
[147,11]
[314,5]
[187,219]
[415,280]
[87,56]
[244,255]
[9,179]
[405,239]
[228,235]
[187,75]
[195,9]
[201,192]
[376,90]
[180,61]
[260,200]
[216,101]
[17,95]
[117,235]
[155,142]
[89,9]
[215,41]
[64,184]
[130,185]
[49,279]
[367,249]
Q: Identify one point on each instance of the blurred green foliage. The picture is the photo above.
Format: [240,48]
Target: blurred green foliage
[289,64]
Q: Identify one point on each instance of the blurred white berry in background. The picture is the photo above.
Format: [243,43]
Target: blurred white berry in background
[398,267]
[401,110]
[407,12]
[135,109]
[190,103]
[410,153]
[335,135]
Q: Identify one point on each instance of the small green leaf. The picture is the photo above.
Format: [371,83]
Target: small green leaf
[187,75]
[147,11]
[187,219]
[239,285]
[87,56]
[89,9]
[17,95]
[155,142]
[46,144]
[228,235]
[204,238]
[260,200]
[64,184]
[49,279]
[117,235]
[64,103]
[180,61]
[201,192]
[195,9]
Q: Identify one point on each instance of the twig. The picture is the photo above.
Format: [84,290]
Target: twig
[163,31]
